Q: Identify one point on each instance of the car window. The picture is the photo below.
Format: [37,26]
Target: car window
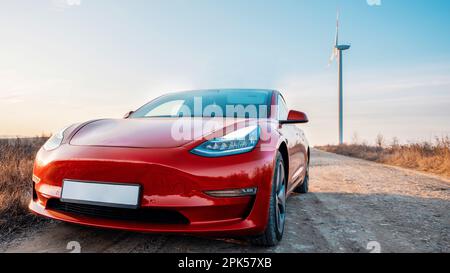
[168,109]
[238,103]
[282,109]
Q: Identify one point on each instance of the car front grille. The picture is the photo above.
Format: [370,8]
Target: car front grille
[153,216]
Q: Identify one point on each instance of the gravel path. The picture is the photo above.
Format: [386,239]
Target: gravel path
[354,206]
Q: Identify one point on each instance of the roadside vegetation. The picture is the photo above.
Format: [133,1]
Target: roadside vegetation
[16,166]
[432,157]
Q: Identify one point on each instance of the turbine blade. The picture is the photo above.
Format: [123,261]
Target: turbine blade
[336,41]
[332,57]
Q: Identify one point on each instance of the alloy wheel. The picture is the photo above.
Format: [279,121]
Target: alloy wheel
[281,198]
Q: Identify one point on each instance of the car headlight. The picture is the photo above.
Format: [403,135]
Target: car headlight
[55,140]
[240,141]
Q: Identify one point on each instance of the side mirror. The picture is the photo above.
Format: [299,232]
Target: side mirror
[295,117]
[127,115]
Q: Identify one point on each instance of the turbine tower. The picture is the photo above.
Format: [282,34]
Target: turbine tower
[337,53]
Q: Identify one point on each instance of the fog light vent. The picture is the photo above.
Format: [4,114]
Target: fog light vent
[233,193]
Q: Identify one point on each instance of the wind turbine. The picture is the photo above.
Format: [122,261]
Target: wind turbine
[337,53]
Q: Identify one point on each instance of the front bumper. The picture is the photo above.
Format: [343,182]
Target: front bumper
[180,189]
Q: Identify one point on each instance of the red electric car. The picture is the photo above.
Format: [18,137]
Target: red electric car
[209,162]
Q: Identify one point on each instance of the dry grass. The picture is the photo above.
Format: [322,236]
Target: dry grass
[16,166]
[427,157]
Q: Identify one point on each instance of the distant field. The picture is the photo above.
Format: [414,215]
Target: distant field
[16,166]
[427,157]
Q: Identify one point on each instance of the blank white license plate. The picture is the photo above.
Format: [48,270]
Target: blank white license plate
[101,194]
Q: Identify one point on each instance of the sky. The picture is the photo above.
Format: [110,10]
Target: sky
[68,61]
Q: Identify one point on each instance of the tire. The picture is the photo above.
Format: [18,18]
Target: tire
[304,187]
[277,209]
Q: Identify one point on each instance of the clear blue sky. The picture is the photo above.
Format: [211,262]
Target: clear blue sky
[62,63]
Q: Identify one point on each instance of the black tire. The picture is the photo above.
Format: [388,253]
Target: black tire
[275,226]
[304,187]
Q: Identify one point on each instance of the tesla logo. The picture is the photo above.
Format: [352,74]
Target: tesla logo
[374,247]
[374,2]
[74,246]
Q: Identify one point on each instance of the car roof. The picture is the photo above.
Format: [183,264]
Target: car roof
[225,90]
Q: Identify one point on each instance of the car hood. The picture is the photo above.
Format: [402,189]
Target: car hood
[148,132]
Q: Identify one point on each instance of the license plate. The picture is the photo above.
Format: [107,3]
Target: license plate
[101,194]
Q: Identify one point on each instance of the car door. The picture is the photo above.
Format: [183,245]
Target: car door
[292,135]
[303,150]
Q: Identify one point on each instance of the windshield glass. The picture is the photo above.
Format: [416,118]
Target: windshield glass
[236,103]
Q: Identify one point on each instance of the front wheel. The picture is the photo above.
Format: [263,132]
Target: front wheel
[277,209]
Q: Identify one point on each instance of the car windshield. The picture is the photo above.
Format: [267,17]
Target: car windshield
[235,103]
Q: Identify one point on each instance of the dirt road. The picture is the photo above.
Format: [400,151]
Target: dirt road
[353,206]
